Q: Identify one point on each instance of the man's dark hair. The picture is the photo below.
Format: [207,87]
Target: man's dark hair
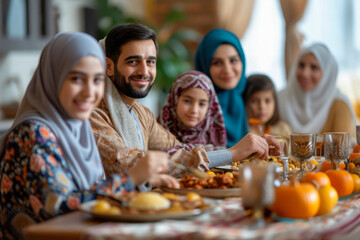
[125,33]
[261,82]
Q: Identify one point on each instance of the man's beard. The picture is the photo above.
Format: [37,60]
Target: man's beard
[126,88]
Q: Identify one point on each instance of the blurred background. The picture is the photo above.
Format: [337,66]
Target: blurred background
[271,32]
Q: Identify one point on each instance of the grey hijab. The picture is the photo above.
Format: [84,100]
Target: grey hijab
[41,103]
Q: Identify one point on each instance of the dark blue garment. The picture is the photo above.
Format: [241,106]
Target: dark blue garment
[231,101]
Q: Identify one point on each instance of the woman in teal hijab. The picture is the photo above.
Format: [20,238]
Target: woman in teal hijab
[221,57]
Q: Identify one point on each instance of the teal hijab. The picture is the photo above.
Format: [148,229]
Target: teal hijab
[231,101]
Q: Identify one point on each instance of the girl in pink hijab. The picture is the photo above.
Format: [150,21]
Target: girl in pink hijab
[192,112]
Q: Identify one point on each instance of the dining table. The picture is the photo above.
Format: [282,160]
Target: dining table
[226,219]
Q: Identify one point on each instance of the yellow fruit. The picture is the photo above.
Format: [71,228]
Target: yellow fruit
[314,162]
[210,173]
[328,199]
[171,196]
[101,206]
[229,174]
[113,211]
[356,180]
[193,196]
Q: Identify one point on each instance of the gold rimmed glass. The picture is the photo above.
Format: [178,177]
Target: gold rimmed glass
[336,147]
[303,147]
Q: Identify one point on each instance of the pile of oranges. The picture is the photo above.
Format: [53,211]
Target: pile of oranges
[312,196]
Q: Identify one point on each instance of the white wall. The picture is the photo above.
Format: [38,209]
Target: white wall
[20,65]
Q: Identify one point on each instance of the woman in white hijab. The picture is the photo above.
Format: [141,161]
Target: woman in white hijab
[311,102]
[49,161]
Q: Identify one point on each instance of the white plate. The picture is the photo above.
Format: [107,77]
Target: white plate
[143,217]
[208,192]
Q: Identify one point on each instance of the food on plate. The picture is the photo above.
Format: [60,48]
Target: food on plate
[193,196]
[219,180]
[172,196]
[293,165]
[101,206]
[149,201]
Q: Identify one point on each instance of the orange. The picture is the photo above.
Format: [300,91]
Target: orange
[254,121]
[328,199]
[351,166]
[342,181]
[320,178]
[357,149]
[327,166]
[296,200]
[356,180]
[354,155]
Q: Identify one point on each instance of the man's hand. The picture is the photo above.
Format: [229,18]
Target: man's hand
[274,145]
[153,163]
[250,145]
[255,146]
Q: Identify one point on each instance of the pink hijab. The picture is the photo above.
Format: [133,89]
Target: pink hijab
[211,130]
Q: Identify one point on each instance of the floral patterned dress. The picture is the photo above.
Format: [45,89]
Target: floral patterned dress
[36,183]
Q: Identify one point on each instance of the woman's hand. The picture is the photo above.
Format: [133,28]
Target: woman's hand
[164,180]
[152,164]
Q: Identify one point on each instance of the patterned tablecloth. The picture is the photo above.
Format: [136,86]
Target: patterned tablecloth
[229,221]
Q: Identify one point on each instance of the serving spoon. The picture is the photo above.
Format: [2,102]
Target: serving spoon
[195,172]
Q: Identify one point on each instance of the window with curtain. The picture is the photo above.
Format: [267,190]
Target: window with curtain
[263,41]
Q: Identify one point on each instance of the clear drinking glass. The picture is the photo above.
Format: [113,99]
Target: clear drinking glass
[258,189]
[284,156]
[319,152]
[336,147]
[303,147]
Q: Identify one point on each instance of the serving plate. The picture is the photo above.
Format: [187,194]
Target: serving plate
[312,219]
[208,192]
[145,217]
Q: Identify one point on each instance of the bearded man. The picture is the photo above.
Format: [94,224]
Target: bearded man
[125,130]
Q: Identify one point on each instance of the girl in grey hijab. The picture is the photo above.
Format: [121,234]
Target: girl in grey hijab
[41,103]
[49,161]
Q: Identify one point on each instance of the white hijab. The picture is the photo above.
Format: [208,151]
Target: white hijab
[120,116]
[308,111]
[41,103]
